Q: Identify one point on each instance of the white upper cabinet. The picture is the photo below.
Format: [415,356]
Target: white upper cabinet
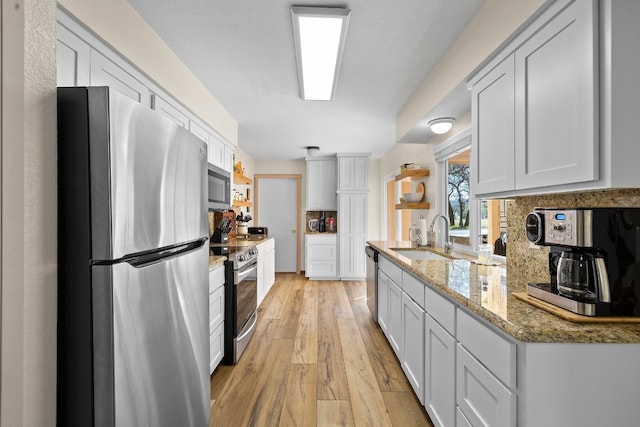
[170,111]
[556,101]
[73,59]
[570,126]
[493,130]
[322,178]
[353,172]
[105,72]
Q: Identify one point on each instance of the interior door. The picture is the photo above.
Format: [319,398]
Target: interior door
[277,209]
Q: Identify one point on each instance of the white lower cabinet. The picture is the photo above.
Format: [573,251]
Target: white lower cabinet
[412,360]
[394,324]
[216,316]
[321,260]
[266,268]
[383,301]
[439,373]
[482,398]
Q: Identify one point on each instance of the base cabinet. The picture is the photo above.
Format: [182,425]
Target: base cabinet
[481,397]
[216,316]
[439,373]
[412,359]
[266,268]
[321,260]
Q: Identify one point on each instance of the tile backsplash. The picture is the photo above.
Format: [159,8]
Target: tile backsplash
[525,264]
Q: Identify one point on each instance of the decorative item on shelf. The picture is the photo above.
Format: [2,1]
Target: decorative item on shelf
[241,228]
[409,166]
[413,197]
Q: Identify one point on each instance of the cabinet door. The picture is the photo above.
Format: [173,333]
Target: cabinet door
[482,398]
[383,301]
[413,344]
[216,308]
[216,347]
[353,173]
[439,373]
[199,131]
[104,72]
[227,158]
[394,328]
[169,111]
[73,58]
[261,277]
[216,151]
[492,143]
[352,226]
[557,101]
[321,184]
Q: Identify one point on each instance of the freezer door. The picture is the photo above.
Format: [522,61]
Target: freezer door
[151,343]
[148,178]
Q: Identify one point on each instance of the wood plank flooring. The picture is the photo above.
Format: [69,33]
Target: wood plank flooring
[317,358]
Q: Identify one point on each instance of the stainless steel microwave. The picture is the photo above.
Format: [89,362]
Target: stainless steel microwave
[219,188]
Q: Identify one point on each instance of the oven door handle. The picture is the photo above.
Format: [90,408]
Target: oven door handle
[248,329]
[242,274]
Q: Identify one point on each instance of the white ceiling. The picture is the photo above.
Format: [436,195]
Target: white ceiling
[243,51]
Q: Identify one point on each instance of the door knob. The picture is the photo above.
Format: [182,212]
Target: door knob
[293,230]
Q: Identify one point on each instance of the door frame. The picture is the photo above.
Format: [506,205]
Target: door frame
[298,178]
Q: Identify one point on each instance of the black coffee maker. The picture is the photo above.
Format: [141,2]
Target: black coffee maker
[594,259]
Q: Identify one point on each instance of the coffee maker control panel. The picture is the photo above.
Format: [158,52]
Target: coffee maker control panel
[567,227]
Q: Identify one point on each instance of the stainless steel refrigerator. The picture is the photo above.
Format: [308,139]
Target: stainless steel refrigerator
[133,339]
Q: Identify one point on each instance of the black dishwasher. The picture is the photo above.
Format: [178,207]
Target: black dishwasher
[372,281]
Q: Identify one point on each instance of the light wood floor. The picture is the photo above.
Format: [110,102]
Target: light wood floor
[317,359]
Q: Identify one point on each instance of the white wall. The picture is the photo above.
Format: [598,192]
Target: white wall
[120,25]
[491,26]
[29,258]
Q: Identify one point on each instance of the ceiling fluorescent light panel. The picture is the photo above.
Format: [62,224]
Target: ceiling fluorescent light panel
[319,35]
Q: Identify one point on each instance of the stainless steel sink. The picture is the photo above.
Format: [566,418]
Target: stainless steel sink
[420,254]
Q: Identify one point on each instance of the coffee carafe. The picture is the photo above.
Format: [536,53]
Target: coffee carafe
[582,276]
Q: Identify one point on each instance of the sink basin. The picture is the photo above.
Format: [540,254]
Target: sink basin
[418,254]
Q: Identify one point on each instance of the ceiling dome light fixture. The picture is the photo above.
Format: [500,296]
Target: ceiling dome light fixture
[441,125]
[313,150]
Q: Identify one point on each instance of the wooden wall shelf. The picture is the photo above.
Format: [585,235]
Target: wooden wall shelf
[241,203]
[241,179]
[418,205]
[413,174]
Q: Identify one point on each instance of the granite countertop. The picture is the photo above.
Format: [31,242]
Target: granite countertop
[215,260]
[486,291]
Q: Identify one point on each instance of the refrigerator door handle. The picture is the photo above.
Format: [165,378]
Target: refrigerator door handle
[143,260]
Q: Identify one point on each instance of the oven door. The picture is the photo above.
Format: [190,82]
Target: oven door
[246,295]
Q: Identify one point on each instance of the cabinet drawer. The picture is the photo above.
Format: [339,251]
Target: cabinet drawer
[321,252]
[441,309]
[483,399]
[216,278]
[414,288]
[216,347]
[216,308]
[390,269]
[492,350]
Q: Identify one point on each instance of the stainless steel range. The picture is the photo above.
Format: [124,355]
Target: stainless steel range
[241,299]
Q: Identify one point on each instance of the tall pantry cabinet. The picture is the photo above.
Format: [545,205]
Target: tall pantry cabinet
[353,195]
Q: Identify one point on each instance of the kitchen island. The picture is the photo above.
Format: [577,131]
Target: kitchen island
[476,355]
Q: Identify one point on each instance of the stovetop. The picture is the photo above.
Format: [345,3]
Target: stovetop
[239,255]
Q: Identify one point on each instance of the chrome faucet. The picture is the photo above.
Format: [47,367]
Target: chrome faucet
[447,244]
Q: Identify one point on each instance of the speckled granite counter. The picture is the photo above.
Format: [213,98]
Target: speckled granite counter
[215,260]
[486,291]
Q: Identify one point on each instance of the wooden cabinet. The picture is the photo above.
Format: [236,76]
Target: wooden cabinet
[412,359]
[439,373]
[216,316]
[322,178]
[321,259]
[266,268]
[535,112]
[353,172]
[352,235]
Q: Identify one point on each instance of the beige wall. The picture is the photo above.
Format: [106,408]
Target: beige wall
[29,261]
[118,23]
[493,23]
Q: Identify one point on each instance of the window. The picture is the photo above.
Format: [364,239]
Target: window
[471,221]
